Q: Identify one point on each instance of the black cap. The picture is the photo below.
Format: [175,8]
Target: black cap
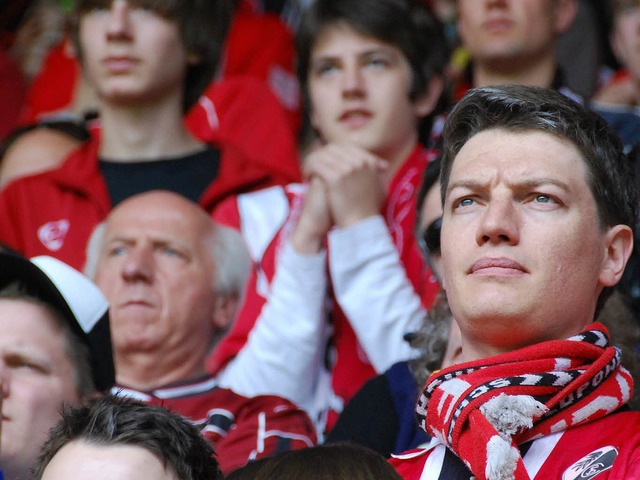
[76,297]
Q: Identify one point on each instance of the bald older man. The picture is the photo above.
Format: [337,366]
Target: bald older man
[173,278]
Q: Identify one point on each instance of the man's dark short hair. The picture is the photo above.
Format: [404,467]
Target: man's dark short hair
[111,420]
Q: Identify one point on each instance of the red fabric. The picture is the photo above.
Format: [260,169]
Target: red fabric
[351,368]
[52,90]
[574,454]
[12,94]
[561,375]
[241,112]
[239,428]
[262,46]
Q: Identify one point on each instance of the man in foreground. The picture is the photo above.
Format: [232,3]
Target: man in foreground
[539,203]
[55,350]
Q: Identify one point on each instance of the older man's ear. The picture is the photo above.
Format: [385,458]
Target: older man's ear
[224,311]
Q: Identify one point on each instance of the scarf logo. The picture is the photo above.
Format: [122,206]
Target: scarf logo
[52,234]
[592,465]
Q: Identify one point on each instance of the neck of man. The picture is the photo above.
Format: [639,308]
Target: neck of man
[499,339]
[145,132]
[538,71]
[148,371]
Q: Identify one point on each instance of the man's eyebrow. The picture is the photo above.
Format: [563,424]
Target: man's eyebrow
[117,239]
[373,50]
[468,183]
[539,181]
[472,183]
[29,352]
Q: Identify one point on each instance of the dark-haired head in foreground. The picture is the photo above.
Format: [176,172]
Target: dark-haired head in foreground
[117,437]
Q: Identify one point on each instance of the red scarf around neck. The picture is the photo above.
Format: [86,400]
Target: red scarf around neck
[482,410]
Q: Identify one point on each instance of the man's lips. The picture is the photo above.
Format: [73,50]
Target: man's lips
[500,265]
[355,117]
[119,64]
[497,24]
[136,303]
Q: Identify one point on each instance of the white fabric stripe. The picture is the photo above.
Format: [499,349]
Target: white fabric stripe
[186,390]
[210,111]
[261,434]
[539,452]
[433,465]
[262,213]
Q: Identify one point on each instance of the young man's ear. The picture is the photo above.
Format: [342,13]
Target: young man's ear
[224,311]
[426,102]
[565,13]
[618,245]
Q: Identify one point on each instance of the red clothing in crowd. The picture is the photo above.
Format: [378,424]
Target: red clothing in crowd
[240,429]
[54,212]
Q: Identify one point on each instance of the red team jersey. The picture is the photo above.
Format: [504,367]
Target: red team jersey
[240,429]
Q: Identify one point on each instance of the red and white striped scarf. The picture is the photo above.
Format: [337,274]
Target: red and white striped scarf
[483,410]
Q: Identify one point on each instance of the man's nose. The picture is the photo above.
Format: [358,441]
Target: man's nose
[499,222]
[139,264]
[119,26]
[353,81]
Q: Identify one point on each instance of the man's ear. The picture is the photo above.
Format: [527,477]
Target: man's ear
[618,245]
[224,311]
[426,102]
[565,14]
